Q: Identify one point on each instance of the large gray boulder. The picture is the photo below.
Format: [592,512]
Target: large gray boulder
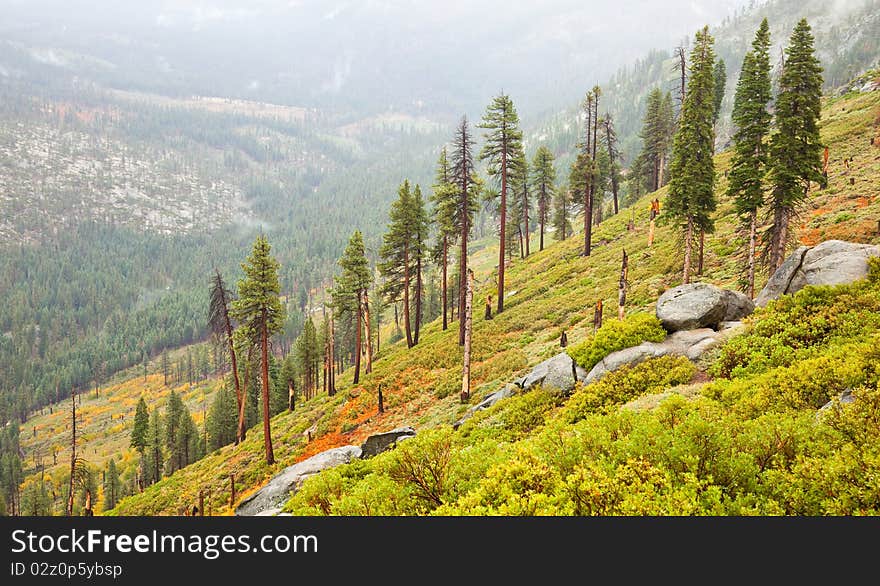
[557,374]
[380,442]
[691,306]
[833,262]
[737,305]
[269,499]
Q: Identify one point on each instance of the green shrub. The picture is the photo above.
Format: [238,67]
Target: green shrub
[626,383]
[616,335]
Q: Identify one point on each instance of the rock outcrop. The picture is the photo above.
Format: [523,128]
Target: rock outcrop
[491,399]
[380,442]
[700,305]
[269,499]
[557,374]
[833,262]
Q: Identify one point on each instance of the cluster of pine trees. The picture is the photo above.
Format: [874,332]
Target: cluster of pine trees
[785,163]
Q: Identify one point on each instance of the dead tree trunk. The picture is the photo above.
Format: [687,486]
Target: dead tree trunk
[381,401]
[72,451]
[466,320]
[369,339]
[597,316]
[621,286]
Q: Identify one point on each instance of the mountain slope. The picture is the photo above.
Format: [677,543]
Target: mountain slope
[551,290]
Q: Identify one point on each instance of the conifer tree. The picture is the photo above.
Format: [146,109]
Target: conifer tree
[543,177]
[260,313]
[174,412]
[691,190]
[154,452]
[795,148]
[561,212]
[222,418]
[443,212]
[141,423]
[220,324]
[349,291]
[522,201]
[419,216]
[112,485]
[503,141]
[466,202]
[397,254]
[751,119]
[594,143]
[581,175]
[613,158]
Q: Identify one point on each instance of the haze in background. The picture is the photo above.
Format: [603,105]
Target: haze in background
[357,57]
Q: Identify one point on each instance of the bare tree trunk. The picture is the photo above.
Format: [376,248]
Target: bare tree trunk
[418,297]
[688,244]
[522,249]
[779,238]
[700,259]
[753,229]
[406,324]
[267,435]
[468,313]
[597,315]
[588,218]
[381,400]
[621,286]
[231,490]
[462,266]
[651,233]
[72,451]
[357,341]
[367,336]
[526,220]
[443,289]
[502,252]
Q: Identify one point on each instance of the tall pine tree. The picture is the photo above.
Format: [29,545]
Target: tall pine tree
[543,179]
[503,141]
[442,214]
[795,148]
[751,119]
[397,254]
[466,202]
[691,189]
[261,315]
[350,290]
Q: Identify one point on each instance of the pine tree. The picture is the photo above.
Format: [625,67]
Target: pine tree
[581,174]
[141,423]
[443,212]
[174,412]
[112,485]
[222,418]
[260,313]
[594,143]
[154,453]
[466,202]
[503,141]
[349,292]
[420,223]
[613,158]
[543,179]
[165,367]
[795,148]
[561,214]
[751,119]
[397,253]
[187,441]
[691,190]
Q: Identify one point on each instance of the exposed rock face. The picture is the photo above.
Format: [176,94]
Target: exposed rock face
[691,306]
[557,374]
[269,499]
[832,262]
[844,398]
[380,442]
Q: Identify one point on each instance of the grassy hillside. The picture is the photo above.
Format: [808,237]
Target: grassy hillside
[551,290]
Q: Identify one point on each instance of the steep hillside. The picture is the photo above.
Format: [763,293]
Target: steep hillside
[551,290]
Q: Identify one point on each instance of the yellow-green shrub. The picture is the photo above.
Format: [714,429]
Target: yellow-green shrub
[616,335]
